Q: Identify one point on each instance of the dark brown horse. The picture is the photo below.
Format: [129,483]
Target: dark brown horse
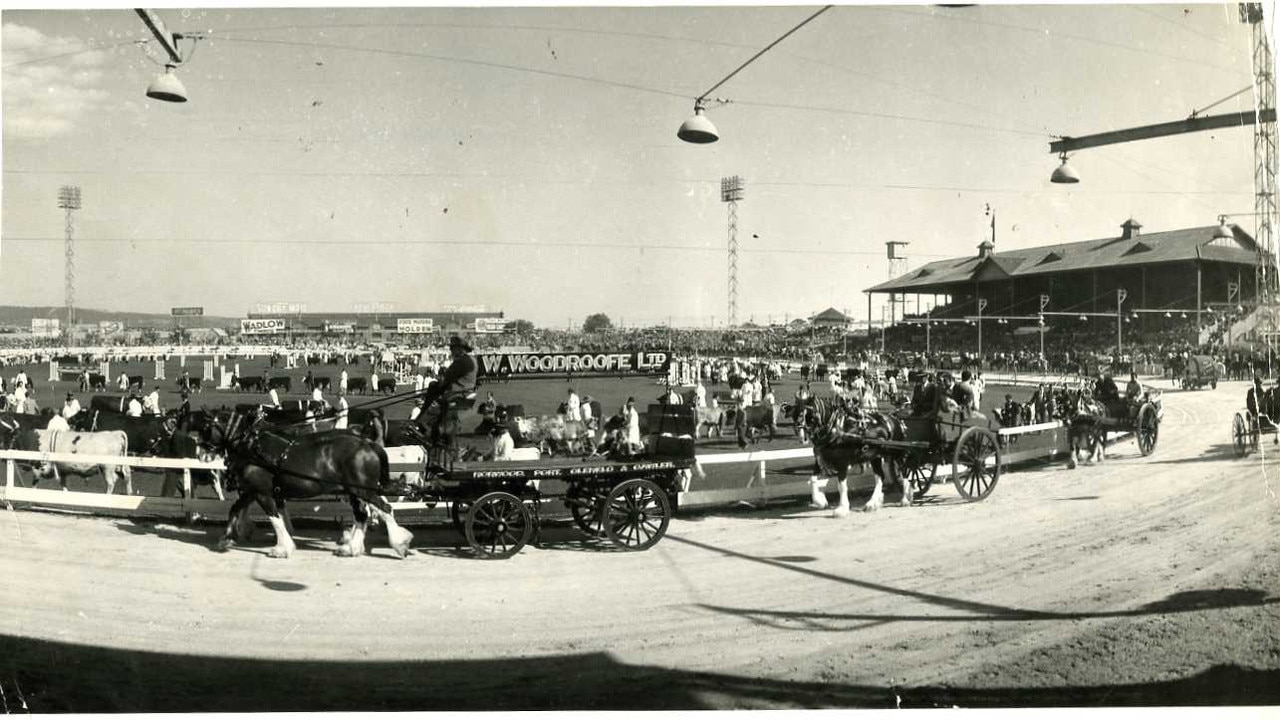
[270,467]
[839,435]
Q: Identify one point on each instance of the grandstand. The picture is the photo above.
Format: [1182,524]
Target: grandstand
[374,327]
[1189,283]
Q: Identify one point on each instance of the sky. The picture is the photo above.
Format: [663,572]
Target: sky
[526,159]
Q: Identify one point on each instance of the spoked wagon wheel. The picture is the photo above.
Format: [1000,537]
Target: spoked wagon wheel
[1148,429]
[1240,436]
[970,474]
[498,525]
[585,508]
[914,469]
[636,514]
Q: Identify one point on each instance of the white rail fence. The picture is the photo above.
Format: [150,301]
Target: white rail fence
[758,486]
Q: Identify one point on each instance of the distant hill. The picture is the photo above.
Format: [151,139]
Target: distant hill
[21,316]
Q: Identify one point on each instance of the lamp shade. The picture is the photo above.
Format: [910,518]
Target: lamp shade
[698,129]
[167,87]
[1064,174]
[1223,232]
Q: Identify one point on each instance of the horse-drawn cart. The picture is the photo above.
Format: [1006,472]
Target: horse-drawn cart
[1202,370]
[496,505]
[1247,431]
[919,444]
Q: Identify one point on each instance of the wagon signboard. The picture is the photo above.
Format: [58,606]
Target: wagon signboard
[582,364]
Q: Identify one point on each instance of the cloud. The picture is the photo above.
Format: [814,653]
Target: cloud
[50,82]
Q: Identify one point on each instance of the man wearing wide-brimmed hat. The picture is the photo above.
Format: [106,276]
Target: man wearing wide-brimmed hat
[456,383]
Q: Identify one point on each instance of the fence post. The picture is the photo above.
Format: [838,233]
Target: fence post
[186,483]
[8,483]
[763,472]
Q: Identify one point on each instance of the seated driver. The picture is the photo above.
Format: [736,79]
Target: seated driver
[457,382]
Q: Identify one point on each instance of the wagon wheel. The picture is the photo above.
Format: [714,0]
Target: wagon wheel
[970,474]
[1148,429]
[585,508]
[498,525]
[458,514]
[636,514]
[1240,436]
[913,468]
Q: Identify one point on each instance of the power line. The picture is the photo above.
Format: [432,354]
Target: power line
[464,61]
[480,243]
[890,116]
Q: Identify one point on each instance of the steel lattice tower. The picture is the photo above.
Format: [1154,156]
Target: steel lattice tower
[731,190]
[69,200]
[1264,148]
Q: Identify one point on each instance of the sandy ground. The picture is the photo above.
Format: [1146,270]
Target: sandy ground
[1143,581]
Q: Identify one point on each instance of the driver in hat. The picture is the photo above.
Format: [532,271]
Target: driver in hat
[457,382]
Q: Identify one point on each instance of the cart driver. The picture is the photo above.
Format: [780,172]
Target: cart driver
[1255,399]
[1133,390]
[458,382]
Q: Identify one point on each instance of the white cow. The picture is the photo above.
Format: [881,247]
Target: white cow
[113,442]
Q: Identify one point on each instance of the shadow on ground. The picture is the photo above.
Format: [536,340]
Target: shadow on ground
[49,677]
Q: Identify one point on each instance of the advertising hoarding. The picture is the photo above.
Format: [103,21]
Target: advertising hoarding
[262,326]
[415,326]
[580,364]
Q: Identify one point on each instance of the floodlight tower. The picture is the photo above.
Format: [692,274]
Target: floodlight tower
[897,266]
[1264,146]
[731,190]
[69,200]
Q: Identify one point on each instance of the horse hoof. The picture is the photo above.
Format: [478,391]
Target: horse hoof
[840,512]
[904,502]
[225,544]
[279,552]
[344,551]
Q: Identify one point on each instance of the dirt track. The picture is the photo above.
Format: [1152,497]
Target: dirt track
[1148,581]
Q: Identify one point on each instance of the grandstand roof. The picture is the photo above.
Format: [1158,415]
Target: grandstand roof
[1139,249]
[831,315]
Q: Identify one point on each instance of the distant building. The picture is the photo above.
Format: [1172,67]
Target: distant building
[831,318]
[427,326]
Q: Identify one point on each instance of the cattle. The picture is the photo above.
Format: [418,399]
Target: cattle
[283,382]
[386,386]
[145,433]
[109,403]
[749,421]
[114,444]
[189,444]
[136,381]
[97,381]
[191,383]
[712,418]
[359,385]
[13,423]
[322,381]
[255,383]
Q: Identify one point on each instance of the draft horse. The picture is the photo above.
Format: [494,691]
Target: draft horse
[1085,431]
[839,438]
[270,466]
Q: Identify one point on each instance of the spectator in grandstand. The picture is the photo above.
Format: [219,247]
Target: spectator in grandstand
[70,407]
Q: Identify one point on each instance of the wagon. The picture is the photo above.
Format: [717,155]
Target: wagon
[1141,417]
[628,501]
[1247,431]
[917,446]
[1201,370]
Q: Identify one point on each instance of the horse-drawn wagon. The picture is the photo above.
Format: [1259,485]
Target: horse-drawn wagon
[1201,370]
[906,448]
[1247,430]
[1091,420]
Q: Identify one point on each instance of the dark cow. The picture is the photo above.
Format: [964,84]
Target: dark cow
[255,383]
[321,381]
[283,382]
[136,381]
[145,434]
[359,385]
[109,403]
[12,423]
[749,421]
[97,381]
[387,386]
[193,445]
